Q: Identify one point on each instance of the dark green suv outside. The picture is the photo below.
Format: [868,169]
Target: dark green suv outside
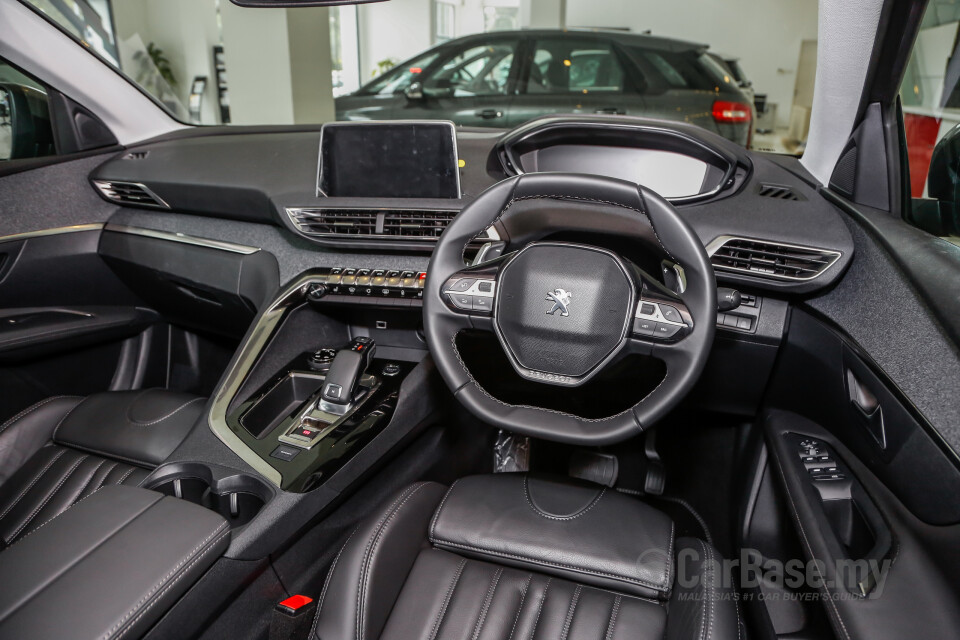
[505,78]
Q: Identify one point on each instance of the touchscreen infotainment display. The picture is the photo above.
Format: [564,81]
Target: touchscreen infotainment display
[389,160]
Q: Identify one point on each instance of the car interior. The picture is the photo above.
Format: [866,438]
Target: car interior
[595,376]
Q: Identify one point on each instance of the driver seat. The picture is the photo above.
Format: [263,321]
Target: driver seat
[523,557]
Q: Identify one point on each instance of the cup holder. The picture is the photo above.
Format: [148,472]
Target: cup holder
[237,497]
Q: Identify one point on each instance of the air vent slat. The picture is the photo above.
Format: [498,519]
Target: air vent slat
[391,224]
[771,260]
[778,192]
[129,193]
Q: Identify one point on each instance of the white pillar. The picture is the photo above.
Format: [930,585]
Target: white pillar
[278,65]
[543,14]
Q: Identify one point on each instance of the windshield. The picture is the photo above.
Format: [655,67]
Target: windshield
[477,63]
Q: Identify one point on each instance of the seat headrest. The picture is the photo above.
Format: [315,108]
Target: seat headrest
[562,527]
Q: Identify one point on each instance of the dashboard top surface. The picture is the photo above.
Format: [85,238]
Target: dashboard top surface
[255,174]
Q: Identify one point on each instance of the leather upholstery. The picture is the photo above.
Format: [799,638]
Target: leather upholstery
[390,581]
[23,434]
[104,439]
[108,567]
[141,427]
[53,479]
[550,526]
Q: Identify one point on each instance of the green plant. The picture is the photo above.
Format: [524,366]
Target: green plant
[162,64]
[383,66]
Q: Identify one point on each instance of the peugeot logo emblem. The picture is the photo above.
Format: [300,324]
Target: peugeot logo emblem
[560,300]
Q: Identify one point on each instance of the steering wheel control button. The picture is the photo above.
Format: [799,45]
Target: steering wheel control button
[671,314]
[666,330]
[644,327]
[647,309]
[461,286]
[462,301]
[483,304]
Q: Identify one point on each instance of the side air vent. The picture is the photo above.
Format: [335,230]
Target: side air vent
[384,224]
[773,260]
[778,192]
[130,193]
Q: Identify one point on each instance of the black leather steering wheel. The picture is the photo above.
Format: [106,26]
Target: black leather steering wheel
[563,311]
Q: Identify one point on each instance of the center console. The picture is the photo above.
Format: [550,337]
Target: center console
[310,387]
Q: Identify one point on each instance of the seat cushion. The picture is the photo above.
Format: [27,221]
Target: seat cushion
[449,597]
[389,581]
[54,478]
[575,530]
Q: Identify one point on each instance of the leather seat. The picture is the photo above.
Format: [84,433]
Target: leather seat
[62,449]
[518,557]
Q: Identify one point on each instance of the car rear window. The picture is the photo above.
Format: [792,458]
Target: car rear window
[675,70]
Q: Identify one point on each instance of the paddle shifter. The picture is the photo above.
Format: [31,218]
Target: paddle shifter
[343,378]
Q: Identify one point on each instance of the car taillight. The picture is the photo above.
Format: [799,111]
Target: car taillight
[730,112]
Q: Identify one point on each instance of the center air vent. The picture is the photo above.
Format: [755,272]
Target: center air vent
[385,224]
[773,260]
[132,193]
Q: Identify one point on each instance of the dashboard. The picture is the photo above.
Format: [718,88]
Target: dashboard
[759,215]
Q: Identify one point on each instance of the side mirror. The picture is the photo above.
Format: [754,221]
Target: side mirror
[414,92]
[25,128]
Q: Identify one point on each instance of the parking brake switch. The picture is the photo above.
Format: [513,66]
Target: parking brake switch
[348,366]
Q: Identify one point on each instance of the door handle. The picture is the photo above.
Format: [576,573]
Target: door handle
[867,405]
[489,114]
[613,111]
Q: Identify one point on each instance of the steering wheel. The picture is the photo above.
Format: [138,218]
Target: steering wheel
[564,311]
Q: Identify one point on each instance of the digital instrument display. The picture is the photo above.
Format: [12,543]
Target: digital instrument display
[389,160]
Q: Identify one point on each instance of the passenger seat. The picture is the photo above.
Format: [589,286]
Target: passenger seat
[62,449]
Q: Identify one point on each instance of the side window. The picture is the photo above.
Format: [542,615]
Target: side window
[482,70]
[25,128]
[678,69]
[930,96]
[566,65]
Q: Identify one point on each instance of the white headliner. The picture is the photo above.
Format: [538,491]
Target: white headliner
[28,41]
[847,30]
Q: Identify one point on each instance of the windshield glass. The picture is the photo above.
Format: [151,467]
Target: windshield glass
[478,63]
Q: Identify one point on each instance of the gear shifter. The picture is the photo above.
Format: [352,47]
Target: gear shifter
[342,379]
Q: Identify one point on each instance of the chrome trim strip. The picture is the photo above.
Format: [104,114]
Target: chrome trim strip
[720,241]
[103,186]
[77,228]
[181,238]
[261,333]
